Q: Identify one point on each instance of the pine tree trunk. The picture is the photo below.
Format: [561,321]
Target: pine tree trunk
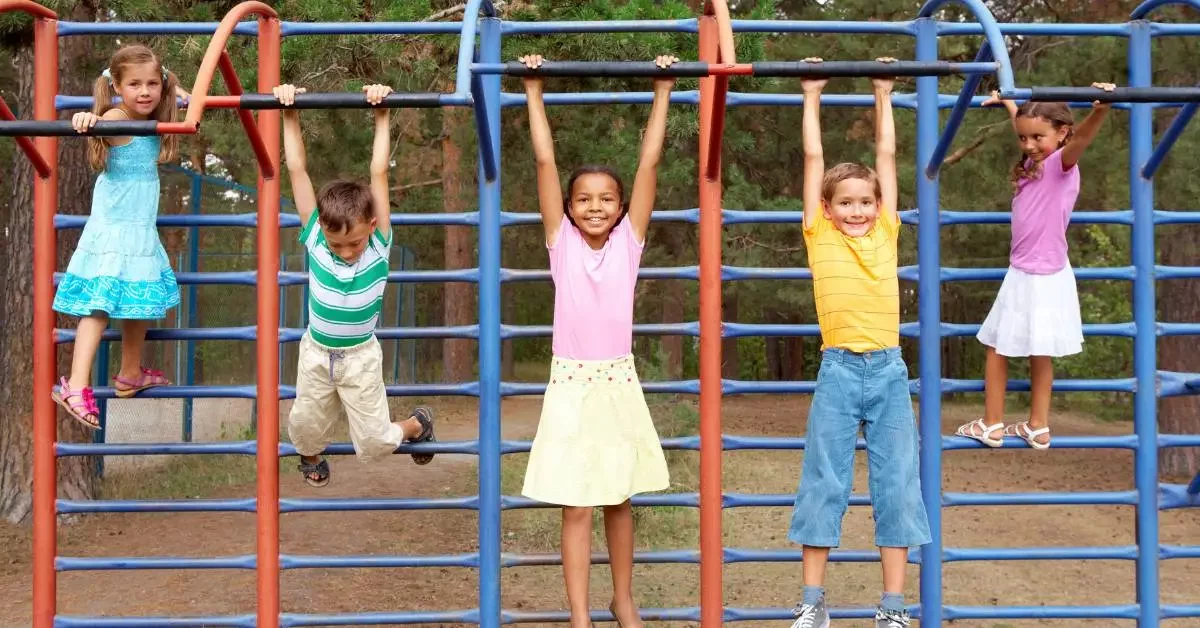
[458,355]
[1180,302]
[76,475]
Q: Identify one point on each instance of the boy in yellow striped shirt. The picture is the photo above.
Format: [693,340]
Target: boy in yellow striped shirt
[850,230]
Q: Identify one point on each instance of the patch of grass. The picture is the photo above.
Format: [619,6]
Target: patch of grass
[657,527]
[184,477]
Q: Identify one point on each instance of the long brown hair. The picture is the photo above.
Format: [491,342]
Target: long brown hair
[1058,114]
[104,93]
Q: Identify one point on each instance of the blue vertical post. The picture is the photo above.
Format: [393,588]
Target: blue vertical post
[929,294]
[193,289]
[1145,397]
[489,338]
[399,318]
[283,290]
[101,435]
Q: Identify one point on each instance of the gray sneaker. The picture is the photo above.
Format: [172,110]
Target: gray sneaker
[890,619]
[812,616]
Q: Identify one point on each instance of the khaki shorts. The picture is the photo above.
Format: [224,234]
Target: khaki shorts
[331,383]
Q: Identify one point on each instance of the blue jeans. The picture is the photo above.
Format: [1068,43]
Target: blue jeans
[867,390]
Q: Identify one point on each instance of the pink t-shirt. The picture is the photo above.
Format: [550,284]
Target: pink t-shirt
[593,293]
[1041,211]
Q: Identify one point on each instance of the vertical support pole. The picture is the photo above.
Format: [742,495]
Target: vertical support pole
[267,345]
[489,340]
[45,419]
[711,555]
[930,308]
[1145,396]
[101,435]
[193,266]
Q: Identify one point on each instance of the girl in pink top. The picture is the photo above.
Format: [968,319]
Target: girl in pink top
[596,444]
[1036,313]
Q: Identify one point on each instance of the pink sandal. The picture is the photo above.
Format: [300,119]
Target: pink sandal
[79,404]
[150,379]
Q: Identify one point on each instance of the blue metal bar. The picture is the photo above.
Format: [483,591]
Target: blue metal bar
[957,554]
[823,26]
[101,435]
[292,561]
[288,29]
[67,563]
[69,29]
[742,555]
[1169,138]
[1170,552]
[598,558]
[347,504]
[246,447]
[689,25]
[466,46]
[73,506]
[1149,6]
[929,297]
[1125,611]
[956,116]
[1173,611]
[1178,440]
[287,620]
[193,295]
[991,31]
[1164,217]
[489,336]
[69,621]
[1145,402]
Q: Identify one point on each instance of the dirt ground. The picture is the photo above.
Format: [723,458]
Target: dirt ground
[223,592]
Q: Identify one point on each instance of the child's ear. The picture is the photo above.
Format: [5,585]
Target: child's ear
[825,209]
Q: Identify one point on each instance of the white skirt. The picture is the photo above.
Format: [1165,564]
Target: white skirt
[1034,315]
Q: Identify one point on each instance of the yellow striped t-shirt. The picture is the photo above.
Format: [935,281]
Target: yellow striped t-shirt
[855,287]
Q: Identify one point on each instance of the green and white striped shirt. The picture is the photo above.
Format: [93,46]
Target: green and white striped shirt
[344,300]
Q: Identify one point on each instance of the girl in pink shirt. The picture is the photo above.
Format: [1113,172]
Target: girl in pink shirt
[596,444]
[1036,312]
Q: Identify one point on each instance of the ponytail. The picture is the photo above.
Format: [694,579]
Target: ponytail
[103,95]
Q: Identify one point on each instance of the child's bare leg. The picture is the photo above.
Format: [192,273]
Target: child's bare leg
[83,353]
[411,427]
[1041,370]
[895,561]
[133,340]
[815,560]
[618,529]
[577,561]
[995,386]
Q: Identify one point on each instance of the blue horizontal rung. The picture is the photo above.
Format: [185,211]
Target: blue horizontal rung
[246,447]
[1178,329]
[1175,611]
[381,503]
[691,614]
[1175,217]
[1170,552]
[67,563]
[1174,384]
[76,506]
[297,561]
[74,621]
[1067,385]
[1178,440]
[1122,611]
[470,616]
[743,555]
[1048,498]
[601,558]
[955,554]
[677,500]
[782,614]
[946,217]
[1128,441]
[470,447]
[1176,272]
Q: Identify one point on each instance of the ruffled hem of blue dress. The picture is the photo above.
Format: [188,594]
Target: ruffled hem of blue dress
[78,296]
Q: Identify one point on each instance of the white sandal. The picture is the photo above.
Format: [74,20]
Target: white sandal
[1022,430]
[968,429]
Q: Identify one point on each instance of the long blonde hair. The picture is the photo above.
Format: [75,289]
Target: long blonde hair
[103,92]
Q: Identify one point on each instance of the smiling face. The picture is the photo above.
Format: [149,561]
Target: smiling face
[140,86]
[1038,137]
[595,205]
[853,206]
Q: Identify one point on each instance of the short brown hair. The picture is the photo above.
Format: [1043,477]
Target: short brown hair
[341,204]
[843,171]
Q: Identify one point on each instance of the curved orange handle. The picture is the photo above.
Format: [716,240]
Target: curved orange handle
[212,56]
[27,6]
[720,10]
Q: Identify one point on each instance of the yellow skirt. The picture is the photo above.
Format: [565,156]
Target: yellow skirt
[596,444]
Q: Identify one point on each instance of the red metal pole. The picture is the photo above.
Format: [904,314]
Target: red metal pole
[45,432]
[268,332]
[26,144]
[265,163]
[711,595]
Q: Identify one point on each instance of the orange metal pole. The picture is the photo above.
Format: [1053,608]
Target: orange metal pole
[26,144]
[268,333]
[265,163]
[45,432]
[711,595]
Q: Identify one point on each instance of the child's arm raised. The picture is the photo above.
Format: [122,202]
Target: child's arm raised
[303,194]
[1009,105]
[85,120]
[645,183]
[1087,130]
[814,154]
[381,200]
[550,197]
[885,142]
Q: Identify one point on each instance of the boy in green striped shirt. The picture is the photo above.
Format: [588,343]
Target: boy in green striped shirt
[347,234]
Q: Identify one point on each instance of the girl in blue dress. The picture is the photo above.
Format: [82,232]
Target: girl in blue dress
[120,269]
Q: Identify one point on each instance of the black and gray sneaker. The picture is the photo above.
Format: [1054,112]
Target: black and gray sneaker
[890,619]
[812,615]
